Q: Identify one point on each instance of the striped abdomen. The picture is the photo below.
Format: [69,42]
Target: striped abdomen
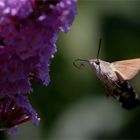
[126,95]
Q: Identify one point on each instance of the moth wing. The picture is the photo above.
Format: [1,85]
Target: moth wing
[126,69]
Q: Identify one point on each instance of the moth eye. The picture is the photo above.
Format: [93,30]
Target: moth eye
[97,62]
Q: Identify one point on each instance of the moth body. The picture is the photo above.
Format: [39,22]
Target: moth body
[116,86]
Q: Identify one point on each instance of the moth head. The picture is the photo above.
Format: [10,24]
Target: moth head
[95,63]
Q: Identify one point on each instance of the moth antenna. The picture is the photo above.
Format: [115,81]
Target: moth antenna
[99,49]
[79,65]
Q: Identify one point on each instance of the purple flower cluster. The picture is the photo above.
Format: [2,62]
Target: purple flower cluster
[28,33]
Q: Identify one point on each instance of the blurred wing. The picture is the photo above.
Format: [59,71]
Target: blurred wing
[126,69]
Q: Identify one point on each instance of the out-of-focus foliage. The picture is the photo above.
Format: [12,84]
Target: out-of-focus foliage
[74,105]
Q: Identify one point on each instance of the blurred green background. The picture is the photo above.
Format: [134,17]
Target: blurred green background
[74,105]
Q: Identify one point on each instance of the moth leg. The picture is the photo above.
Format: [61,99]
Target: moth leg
[120,78]
[117,85]
[108,92]
[111,93]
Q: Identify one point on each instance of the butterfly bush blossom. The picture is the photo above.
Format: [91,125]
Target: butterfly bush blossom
[28,33]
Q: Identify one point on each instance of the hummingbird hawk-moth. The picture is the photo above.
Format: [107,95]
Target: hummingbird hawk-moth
[115,77]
